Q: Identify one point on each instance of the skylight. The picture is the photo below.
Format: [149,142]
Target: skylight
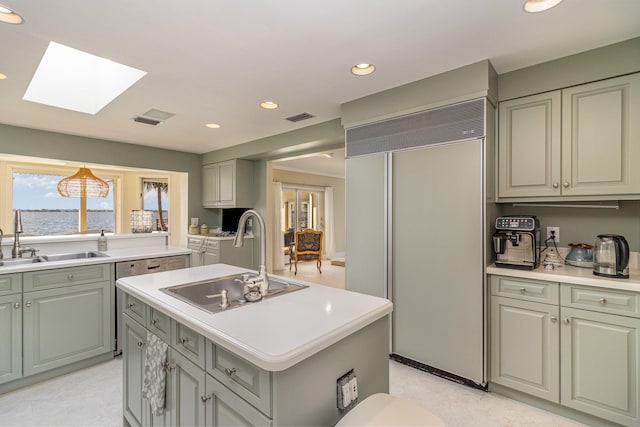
[75,80]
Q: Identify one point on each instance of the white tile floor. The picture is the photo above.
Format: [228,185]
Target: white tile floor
[93,397]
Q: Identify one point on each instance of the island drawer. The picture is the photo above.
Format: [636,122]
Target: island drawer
[135,308]
[10,284]
[244,378]
[48,279]
[614,301]
[525,289]
[159,323]
[189,343]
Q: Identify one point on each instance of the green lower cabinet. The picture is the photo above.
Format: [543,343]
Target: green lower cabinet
[66,325]
[133,347]
[524,347]
[225,408]
[600,363]
[10,337]
[185,402]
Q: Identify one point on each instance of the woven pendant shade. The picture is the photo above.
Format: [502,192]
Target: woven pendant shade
[83,184]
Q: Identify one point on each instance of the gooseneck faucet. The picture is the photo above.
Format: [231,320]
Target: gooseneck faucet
[17,229]
[261,280]
[1,236]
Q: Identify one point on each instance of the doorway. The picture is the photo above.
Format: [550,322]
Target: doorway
[302,209]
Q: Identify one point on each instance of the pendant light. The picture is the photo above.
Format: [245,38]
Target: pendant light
[83,184]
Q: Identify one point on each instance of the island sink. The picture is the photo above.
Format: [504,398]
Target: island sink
[208,295]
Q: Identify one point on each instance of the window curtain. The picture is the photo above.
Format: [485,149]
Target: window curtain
[329,239]
[278,236]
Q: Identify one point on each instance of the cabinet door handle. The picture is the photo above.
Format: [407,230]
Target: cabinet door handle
[27,304]
[70,277]
[556,185]
[205,398]
[154,322]
[184,341]
[16,305]
[523,290]
[169,366]
[554,319]
[566,320]
[141,344]
[565,184]
[603,301]
[230,372]
[131,305]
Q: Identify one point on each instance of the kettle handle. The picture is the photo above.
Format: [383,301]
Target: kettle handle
[622,247]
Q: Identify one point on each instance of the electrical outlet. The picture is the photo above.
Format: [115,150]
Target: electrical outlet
[556,231]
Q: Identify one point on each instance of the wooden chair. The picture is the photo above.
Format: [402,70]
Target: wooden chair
[307,247]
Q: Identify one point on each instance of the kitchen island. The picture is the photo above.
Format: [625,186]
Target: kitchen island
[275,362]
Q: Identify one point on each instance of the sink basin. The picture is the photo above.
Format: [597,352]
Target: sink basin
[206,294]
[19,261]
[76,255]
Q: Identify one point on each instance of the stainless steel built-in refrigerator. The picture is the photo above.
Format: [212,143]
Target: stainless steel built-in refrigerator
[416,233]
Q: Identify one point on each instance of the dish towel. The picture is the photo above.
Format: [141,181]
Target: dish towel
[154,380]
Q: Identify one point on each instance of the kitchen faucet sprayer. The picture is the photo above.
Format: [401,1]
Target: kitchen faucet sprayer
[1,236]
[261,280]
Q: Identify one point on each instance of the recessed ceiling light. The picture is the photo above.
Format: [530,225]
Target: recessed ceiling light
[3,76]
[535,6]
[363,69]
[75,80]
[9,16]
[213,126]
[269,105]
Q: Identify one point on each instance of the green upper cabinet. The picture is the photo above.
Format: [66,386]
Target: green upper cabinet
[228,184]
[577,143]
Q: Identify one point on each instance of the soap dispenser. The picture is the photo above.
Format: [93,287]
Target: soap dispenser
[102,242]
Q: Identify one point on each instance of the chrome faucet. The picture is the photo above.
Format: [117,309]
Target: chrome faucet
[261,279]
[1,236]
[17,251]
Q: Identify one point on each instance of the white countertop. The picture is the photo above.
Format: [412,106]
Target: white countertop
[115,255]
[274,334]
[572,275]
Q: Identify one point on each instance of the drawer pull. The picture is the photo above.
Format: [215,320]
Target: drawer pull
[556,185]
[27,304]
[141,344]
[230,372]
[16,305]
[205,398]
[131,305]
[566,320]
[184,341]
[522,290]
[70,277]
[554,319]
[565,184]
[603,301]
[154,322]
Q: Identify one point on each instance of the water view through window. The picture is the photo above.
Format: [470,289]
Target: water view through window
[45,212]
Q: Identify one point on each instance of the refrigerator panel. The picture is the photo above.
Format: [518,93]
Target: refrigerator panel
[437,257]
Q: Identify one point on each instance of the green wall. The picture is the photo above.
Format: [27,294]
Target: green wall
[51,145]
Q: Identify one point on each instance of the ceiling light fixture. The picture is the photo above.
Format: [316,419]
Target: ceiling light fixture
[536,6]
[9,16]
[268,105]
[363,69]
[213,126]
[83,184]
[3,76]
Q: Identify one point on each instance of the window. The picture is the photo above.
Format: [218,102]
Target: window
[45,212]
[155,197]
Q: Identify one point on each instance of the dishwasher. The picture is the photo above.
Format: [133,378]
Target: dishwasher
[136,268]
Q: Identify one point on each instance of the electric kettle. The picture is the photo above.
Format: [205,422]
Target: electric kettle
[611,256]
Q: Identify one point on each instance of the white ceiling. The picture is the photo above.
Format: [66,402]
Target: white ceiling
[214,61]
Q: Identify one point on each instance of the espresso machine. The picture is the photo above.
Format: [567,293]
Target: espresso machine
[516,242]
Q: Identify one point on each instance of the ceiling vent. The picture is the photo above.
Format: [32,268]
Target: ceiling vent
[300,117]
[146,121]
